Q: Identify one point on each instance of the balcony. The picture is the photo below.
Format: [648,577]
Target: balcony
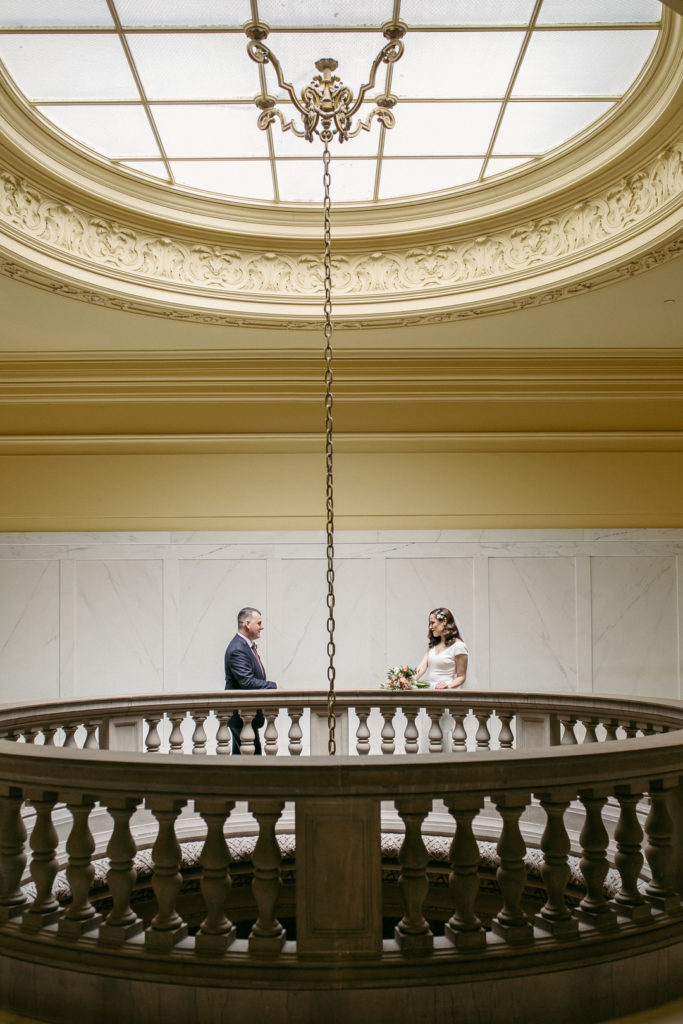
[486,854]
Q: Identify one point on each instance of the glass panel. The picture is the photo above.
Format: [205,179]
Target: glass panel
[467,12]
[155,168]
[81,13]
[537,127]
[184,14]
[246,179]
[65,66]
[194,66]
[300,181]
[497,166]
[457,64]
[350,13]
[442,129]
[559,12]
[355,52]
[411,177]
[583,63]
[197,130]
[111,130]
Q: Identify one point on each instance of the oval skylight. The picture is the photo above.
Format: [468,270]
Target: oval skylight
[166,87]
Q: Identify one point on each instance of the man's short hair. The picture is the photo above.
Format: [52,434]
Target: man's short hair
[245,615]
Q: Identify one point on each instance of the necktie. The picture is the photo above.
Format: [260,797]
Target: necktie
[253,647]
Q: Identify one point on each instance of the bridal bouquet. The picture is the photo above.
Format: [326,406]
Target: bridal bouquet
[402,677]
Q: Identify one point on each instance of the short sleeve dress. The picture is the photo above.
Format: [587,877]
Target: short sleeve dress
[441,667]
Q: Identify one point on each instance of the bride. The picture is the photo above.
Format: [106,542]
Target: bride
[446,657]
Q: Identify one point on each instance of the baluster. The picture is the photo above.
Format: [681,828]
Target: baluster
[91,741]
[121,922]
[45,909]
[628,902]
[594,908]
[435,734]
[70,735]
[413,933]
[49,735]
[590,726]
[270,735]
[483,736]
[167,927]
[659,851]
[412,735]
[199,733]
[295,734]
[153,739]
[176,740]
[554,917]
[611,727]
[30,733]
[80,916]
[568,736]
[464,929]
[12,857]
[363,731]
[387,712]
[505,736]
[247,736]
[216,931]
[223,736]
[267,934]
[511,923]
[459,734]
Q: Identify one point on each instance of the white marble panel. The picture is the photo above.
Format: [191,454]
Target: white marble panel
[301,625]
[119,624]
[414,587]
[29,631]
[634,626]
[532,612]
[211,595]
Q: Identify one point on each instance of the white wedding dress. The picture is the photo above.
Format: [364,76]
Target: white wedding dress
[441,666]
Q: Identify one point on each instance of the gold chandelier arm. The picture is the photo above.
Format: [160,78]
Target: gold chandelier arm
[262,54]
[383,115]
[270,113]
[389,54]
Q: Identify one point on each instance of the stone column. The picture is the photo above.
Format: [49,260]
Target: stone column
[121,922]
[511,923]
[464,928]
[412,933]
[167,927]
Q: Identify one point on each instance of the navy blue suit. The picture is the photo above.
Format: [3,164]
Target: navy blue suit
[243,672]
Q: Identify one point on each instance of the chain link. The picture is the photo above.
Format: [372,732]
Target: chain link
[329,452]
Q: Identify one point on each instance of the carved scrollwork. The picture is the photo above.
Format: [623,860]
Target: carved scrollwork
[112,248]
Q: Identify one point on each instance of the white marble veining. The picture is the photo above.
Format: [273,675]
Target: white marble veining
[635,630]
[119,623]
[29,630]
[210,596]
[564,610]
[532,604]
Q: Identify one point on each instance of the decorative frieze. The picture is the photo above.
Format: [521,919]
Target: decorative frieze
[469,265]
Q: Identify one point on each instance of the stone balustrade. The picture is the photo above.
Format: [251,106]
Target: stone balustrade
[609,856]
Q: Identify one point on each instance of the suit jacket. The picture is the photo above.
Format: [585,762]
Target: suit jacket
[242,670]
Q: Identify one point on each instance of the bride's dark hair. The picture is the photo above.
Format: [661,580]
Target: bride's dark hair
[451,633]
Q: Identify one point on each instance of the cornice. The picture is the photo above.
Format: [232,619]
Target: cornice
[621,218]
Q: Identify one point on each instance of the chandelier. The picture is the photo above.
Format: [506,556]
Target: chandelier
[327,109]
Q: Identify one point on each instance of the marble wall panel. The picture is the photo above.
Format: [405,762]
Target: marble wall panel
[413,587]
[635,635]
[532,616]
[29,630]
[299,625]
[118,627]
[210,594]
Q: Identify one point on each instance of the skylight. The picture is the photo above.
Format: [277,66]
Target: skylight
[166,88]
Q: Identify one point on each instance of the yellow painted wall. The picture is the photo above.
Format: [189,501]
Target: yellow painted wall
[373,491]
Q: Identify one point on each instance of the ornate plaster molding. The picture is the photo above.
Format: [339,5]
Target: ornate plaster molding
[113,249]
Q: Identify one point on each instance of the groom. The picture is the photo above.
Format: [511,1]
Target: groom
[244,671]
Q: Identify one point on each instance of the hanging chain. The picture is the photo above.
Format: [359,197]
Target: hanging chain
[329,452]
[327,108]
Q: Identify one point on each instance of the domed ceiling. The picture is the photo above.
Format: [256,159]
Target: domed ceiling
[167,89]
